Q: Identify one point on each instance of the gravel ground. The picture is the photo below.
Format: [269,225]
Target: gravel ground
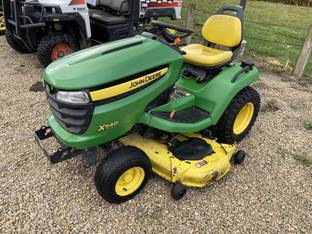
[271,192]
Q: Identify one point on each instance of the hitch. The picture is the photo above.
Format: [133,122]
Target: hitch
[62,153]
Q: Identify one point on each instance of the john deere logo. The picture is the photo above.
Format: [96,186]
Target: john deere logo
[128,86]
[145,80]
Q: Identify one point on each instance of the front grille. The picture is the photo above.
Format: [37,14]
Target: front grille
[75,118]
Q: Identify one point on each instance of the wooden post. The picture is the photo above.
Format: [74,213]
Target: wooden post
[190,20]
[243,48]
[304,54]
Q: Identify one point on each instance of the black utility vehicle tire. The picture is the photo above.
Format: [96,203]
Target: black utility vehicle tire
[15,45]
[112,167]
[49,41]
[225,126]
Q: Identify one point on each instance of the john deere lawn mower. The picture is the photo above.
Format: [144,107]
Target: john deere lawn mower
[154,107]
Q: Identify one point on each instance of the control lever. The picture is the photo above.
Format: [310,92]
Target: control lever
[247,66]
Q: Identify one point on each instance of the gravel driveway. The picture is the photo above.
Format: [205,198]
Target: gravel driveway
[270,192]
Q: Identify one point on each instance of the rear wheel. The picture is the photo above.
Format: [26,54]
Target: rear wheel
[123,174]
[55,46]
[15,44]
[239,117]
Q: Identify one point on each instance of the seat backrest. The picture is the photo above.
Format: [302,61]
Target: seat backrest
[223,29]
[120,5]
[116,5]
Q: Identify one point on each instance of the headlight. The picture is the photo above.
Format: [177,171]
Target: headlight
[78,97]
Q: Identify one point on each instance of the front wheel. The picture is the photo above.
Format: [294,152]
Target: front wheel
[123,174]
[15,43]
[55,46]
[239,117]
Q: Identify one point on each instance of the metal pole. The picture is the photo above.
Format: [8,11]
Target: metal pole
[243,4]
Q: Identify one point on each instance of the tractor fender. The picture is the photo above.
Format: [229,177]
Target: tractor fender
[73,23]
[216,94]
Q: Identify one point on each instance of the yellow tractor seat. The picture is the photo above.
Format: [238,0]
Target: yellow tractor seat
[223,30]
[203,56]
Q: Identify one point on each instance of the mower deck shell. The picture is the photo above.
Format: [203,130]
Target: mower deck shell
[191,173]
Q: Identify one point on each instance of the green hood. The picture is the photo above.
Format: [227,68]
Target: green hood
[108,62]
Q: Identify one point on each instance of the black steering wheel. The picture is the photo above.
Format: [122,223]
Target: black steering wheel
[163,27]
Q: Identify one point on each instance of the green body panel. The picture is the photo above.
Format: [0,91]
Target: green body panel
[216,95]
[114,61]
[120,114]
[212,96]
[107,63]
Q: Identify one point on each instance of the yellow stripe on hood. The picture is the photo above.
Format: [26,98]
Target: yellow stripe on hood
[127,86]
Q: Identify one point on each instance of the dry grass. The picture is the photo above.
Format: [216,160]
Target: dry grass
[271,192]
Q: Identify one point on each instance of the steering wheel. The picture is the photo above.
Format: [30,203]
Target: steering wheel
[169,36]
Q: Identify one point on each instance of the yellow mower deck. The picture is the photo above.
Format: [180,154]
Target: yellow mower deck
[193,173]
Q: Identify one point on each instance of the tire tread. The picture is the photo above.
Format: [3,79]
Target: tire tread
[225,125]
[115,163]
[51,40]
[14,44]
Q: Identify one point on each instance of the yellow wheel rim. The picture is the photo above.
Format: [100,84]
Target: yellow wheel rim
[2,23]
[243,118]
[130,181]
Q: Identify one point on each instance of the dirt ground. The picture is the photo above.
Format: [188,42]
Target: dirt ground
[270,192]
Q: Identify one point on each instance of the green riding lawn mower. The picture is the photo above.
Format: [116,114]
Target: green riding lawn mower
[154,106]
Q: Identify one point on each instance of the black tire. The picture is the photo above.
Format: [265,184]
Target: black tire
[15,44]
[48,42]
[113,167]
[239,157]
[225,127]
[178,191]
